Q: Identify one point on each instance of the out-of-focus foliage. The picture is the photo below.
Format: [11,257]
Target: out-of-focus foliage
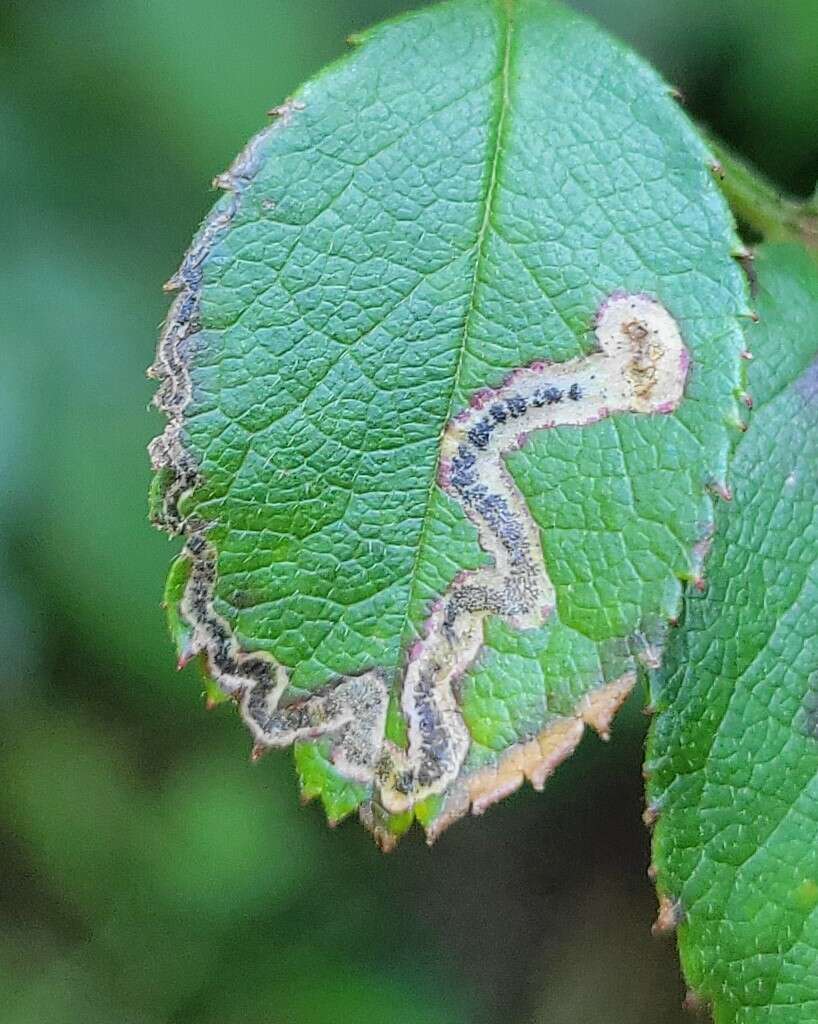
[149,874]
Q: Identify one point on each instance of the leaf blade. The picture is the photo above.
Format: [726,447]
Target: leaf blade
[395,247]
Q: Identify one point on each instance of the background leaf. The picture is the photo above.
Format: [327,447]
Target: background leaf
[733,754]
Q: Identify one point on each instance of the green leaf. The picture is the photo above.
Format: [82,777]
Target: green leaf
[452,373]
[733,754]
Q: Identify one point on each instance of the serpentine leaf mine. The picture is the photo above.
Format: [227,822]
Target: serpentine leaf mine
[641,367]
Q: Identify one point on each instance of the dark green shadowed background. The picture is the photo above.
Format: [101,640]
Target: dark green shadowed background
[150,875]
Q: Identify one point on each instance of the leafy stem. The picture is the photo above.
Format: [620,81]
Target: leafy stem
[759,204]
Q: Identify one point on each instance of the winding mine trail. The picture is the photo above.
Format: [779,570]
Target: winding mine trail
[640,366]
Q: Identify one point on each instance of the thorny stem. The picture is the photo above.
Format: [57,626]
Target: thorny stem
[756,201]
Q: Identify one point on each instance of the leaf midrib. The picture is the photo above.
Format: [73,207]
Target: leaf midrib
[505,7]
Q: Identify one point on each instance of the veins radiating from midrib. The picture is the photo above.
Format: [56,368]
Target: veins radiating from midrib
[493,164]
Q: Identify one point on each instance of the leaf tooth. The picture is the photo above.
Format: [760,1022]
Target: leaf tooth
[598,708]
[187,653]
[694,1003]
[224,181]
[284,110]
[385,840]
[376,821]
[649,656]
[736,423]
[721,489]
[749,314]
[650,815]
[456,805]
[745,257]
[669,917]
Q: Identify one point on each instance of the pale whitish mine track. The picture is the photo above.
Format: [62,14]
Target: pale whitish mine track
[640,366]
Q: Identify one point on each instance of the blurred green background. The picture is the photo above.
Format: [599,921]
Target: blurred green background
[150,874]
